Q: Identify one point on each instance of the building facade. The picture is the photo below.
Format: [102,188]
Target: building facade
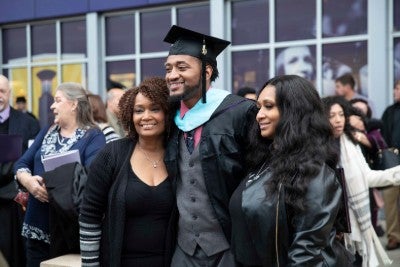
[103,44]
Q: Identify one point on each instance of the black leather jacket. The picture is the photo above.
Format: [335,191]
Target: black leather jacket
[303,238]
[222,146]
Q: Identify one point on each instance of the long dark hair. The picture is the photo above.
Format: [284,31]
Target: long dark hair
[348,110]
[303,139]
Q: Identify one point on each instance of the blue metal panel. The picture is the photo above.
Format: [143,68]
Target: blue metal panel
[104,5]
[14,10]
[56,8]
[28,10]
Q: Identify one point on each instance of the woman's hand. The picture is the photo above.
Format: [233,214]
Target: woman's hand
[362,138]
[357,122]
[34,185]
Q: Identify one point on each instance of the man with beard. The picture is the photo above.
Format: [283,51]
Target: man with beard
[206,151]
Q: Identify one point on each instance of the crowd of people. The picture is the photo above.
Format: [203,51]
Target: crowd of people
[176,172]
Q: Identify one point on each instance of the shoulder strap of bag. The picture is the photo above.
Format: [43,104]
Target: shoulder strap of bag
[379,144]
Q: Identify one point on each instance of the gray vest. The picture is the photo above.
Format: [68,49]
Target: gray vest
[197,221]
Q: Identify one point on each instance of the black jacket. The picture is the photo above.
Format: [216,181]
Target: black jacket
[27,127]
[11,242]
[224,140]
[391,125]
[304,238]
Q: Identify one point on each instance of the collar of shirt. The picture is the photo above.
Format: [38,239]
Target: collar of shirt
[5,114]
[197,131]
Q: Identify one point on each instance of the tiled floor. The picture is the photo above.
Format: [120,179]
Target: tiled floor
[394,255]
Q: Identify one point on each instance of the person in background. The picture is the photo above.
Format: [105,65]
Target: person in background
[283,212]
[370,139]
[21,105]
[332,69]
[113,97]
[12,122]
[296,60]
[100,117]
[345,87]
[125,218]
[247,92]
[396,61]
[362,241]
[206,150]
[73,128]
[391,133]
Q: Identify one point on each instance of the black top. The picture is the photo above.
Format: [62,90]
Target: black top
[148,209]
[4,127]
[246,255]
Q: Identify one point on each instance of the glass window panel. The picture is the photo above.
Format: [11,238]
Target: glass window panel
[44,82]
[396,15]
[18,78]
[121,73]
[153,67]
[120,35]
[43,39]
[14,44]
[74,73]
[250,22]
[189,17]
[396,59]
[341,58]
[250,68]
[73,38]
[295,20]
[344,17]
[299,60]
[153,27]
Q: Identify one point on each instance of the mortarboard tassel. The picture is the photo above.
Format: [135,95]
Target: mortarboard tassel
[203,71]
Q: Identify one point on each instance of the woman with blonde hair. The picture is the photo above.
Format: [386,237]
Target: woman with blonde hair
[73,128]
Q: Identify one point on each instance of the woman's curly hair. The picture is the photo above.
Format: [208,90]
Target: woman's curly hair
[302,143]
[155,89]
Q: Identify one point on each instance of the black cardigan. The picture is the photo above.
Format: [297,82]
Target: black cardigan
[109,166]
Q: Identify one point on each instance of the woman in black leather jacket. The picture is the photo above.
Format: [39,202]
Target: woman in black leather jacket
[283,213]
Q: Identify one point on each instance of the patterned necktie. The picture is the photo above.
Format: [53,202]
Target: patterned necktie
[189,140]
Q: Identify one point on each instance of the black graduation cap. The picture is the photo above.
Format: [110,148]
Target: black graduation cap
[187,42]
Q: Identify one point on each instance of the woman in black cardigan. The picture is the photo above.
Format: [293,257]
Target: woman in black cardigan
[126,211]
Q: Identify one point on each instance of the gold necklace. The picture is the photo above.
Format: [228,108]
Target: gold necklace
[153,162]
